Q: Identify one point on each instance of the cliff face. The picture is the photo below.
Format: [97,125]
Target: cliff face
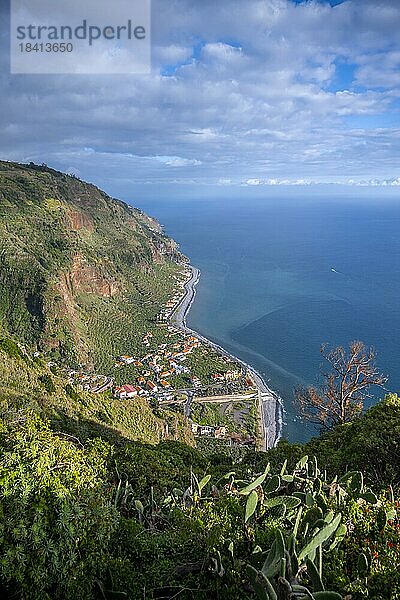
[68,254]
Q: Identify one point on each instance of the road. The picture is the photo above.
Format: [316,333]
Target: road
[215,399]
[108,382]
[269,403]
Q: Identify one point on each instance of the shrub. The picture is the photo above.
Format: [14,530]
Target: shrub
[12,349]
[57,518]
[47,383]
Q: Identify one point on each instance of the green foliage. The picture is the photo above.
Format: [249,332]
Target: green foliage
[57,518]
[31,384]
[368,445]
[12,349]
[162,467]
[76,266]
[96,519]
[251,505]
[365,443]
[88,513]
[47,383]
[72,392]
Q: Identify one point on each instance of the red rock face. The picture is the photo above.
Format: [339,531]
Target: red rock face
[87,278]
[79,220]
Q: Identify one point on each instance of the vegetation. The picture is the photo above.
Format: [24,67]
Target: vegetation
[85,510]
[29,384]
[82,275]
[205,361]
[103,498]
[86,518]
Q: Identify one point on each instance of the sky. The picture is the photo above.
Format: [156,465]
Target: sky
[242,94]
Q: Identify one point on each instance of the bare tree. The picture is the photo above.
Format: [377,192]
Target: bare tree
[344,389]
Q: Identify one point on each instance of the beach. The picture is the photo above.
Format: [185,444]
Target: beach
[269,404]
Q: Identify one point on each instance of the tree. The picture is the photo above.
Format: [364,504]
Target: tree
[344,389]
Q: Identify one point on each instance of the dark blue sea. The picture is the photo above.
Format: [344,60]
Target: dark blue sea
[282,276]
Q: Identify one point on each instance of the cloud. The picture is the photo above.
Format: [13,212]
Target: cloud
[393,182]
[263,92]
[273,181]
[174,161]
[171,54]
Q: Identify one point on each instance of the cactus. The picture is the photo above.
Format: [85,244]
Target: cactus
[301,463]
[201,484]
[353,482]
[288,478]
[315,527]
[322,536]
[251,505]
[271,565]
[292,568]
[279,575]
[363,565]
[261,584]
[317,486]
[369,496]
[315,576]
[309,499]
[297,522]
[290,502]
[256,483]
[340,534]
[313,515]
[273,484]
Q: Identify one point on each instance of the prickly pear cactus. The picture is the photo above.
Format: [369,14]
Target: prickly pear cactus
[292,568]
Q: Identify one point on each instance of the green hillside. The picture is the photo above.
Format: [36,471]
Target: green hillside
[82,275]
[28,384]
[82,278]
[103,498]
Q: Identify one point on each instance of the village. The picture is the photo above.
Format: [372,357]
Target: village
[176,370]
[167,376]
[159,369]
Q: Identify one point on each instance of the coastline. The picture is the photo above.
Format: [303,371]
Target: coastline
[269,404]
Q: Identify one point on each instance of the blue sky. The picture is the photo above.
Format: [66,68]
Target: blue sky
[241,94]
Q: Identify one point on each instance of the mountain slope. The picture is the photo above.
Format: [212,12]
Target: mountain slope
[82,278]
[77,266]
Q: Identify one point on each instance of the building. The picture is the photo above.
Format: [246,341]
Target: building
[217,377]
[206,430]
[125,391]
[196,381]
[232,375]
[152,386]
[127,360]
[220,432]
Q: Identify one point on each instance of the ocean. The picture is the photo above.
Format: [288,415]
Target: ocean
[282,276]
